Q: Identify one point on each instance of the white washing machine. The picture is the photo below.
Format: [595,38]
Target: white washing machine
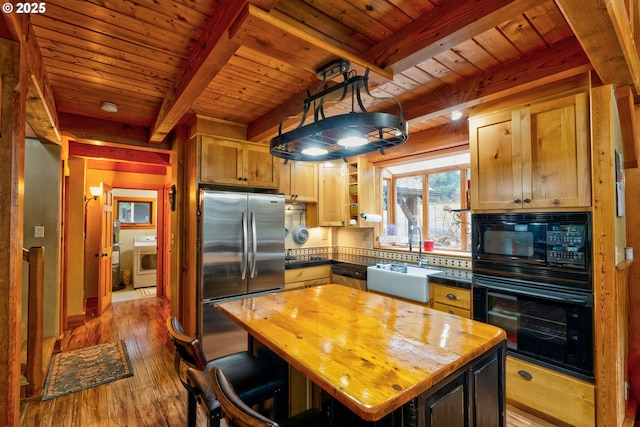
[145,260]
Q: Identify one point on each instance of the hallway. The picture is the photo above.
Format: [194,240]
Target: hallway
[153,396]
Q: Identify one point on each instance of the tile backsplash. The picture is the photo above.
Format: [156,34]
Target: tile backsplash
[461,263]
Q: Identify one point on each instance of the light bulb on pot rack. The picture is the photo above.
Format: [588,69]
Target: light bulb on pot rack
[344,135]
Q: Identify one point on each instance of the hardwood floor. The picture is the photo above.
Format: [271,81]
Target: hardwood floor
[153,396]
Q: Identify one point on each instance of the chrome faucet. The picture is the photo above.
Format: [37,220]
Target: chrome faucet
[421,262]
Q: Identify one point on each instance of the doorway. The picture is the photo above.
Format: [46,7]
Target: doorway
[138,215]
[136,273]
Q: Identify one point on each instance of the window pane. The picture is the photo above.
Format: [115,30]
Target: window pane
[142,212]
[408,207]
[124,212]
[444,196]
[385,205]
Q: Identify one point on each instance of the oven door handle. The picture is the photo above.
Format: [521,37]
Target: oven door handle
[582,300]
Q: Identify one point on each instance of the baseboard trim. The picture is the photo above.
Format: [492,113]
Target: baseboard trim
[91,307]
[76,320]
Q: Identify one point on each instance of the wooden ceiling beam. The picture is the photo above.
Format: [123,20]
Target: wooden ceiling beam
[90,129]
[558,62]
[261,31]
[443,28]
[109,165]
[79,149]
[445,138]
[212,52]
[607,38]
[42,114]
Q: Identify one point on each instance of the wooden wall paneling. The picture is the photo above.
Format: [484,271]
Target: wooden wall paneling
[188,229]
[607,335]
[632,183]
[13,84]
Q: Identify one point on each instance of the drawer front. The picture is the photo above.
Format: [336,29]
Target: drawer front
[462,312]
[307,273]
[548,393]
[449,295]
[307,283]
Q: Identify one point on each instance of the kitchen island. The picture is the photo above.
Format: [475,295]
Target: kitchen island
[383,358]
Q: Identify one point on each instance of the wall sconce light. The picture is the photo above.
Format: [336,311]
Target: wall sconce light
[95,192]
[172,197]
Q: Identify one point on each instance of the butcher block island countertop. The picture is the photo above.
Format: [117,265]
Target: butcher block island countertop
[374,353]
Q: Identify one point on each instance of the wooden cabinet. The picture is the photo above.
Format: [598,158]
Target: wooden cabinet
[451,299]
[360,191]
[534,157]
[331,192]
[299,181]
[473,398]
[236,163]
[549,393]
[306,277]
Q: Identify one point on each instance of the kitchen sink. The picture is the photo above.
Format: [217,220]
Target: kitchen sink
[400,280]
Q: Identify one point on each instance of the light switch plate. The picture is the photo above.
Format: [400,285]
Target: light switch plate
[38,231]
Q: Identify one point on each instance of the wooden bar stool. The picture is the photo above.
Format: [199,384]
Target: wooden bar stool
[238,414]
[255,379]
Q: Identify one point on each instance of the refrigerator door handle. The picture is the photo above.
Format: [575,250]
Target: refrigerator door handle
[254,238]
[245,246]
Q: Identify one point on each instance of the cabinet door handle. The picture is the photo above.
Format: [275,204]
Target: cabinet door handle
[517,201]
[527,200]
[525,375]
[452,297]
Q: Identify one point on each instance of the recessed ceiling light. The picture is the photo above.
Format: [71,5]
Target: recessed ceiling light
[109,107]
[456,115]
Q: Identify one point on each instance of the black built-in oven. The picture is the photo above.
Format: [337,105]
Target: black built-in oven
[532,278]
[544,325]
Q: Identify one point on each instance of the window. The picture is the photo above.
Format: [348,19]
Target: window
[135,212]
[430,195]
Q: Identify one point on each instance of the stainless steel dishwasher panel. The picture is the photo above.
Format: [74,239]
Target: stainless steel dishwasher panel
[351,275]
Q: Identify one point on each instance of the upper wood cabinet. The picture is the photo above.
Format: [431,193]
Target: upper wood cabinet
[236,163]
[299,181]
[331,203]
[531,158]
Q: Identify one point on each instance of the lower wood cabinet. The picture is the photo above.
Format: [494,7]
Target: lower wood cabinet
[475,397]
[472,396]
[306,277]
[451,299]
[550,394]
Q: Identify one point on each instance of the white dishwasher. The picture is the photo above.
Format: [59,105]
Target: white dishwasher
[351,275]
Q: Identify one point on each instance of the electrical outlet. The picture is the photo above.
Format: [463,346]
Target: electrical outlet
[38,231]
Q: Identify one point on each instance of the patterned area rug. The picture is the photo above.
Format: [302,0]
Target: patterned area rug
[76,370]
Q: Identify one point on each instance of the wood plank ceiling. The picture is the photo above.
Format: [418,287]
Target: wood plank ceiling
[252,62]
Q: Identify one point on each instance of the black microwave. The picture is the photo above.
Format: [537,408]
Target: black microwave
[553,248]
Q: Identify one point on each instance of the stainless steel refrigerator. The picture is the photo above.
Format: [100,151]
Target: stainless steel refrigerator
[241,254]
